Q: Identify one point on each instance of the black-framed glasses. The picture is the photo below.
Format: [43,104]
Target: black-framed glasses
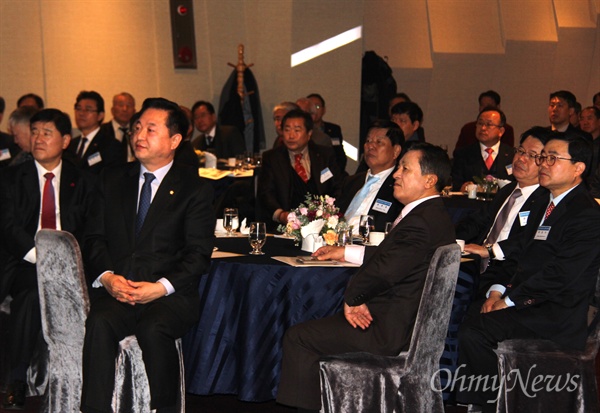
[85,110]
[522,152]
[550,159]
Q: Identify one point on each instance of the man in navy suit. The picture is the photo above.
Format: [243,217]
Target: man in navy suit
[94,149]
[486,232]
[543,292]
[152,242]
[382,298]
[372,192]
[46,192]
[489,156]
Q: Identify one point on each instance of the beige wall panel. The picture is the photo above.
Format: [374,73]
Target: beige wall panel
[399,30]
[518,22]
[22,68]
[575,13]
[465,26]
[104,46]
[594,81]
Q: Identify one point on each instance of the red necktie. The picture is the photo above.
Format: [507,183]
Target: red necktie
[549,210]
[299,168]
[48,205]
[489,161]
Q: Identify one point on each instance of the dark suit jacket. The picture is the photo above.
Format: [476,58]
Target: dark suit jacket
[275,180]
[20,201]
[553,279]
[468,163]
[335,133]
[475,228]
[7,142]
[108,130]
[110,150]
[176,239]
[391,279]
[228,142]
[354,183]
[467,136]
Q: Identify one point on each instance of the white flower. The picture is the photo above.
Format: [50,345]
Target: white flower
[332,221]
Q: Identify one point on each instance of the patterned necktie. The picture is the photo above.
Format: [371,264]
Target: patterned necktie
[502,217]
[80,151]
[489,161]
[299,168]
[145,200]
[48,203]
[549,210]
[397,220]
[360,197]
[125,141]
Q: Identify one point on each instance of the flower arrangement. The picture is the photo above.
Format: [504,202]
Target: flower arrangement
[486,184]
[316,210]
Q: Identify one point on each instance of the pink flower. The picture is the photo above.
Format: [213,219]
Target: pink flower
[303,210]
[291,217]
[329,200]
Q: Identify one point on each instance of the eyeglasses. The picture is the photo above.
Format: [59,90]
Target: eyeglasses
[550,159]
[521,152]
[488,125]
[85,110]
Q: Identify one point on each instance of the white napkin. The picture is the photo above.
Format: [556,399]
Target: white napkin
[243,228]
[312,228]
[502,183]
[210,160]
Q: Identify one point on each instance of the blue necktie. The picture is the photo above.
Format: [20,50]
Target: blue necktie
[145,200]
[360,197]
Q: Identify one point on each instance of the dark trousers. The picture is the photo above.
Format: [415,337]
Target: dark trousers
[478,336]
[156,325]
[303,346]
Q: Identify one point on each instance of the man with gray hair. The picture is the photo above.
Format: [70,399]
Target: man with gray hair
[123,109]
[20,127]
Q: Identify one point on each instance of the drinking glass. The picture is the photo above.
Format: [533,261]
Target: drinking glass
[257,237]
[231,220]
[388,227]
[366,225]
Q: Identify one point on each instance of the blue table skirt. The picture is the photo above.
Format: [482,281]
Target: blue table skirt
[245,310]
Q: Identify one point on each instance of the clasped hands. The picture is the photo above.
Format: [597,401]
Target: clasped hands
[132,292]
[493,303]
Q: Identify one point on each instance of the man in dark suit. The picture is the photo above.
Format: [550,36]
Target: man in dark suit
[330,129]
[94,149]
[488,156]
[144,266]
[372,192]
[291,171]
[46,193]
[409,117]
[119,128]
[221,140]
[467,135]
[494,232]
[382,298]
[544,292]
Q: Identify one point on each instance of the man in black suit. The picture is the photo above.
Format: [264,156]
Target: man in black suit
[221,140]
[332,130]
[543,292]
[144,266]
[382,298]
[119,128]
[94,149]
[372,192]
[494,232]
[46,192]
[488,156]
[291,171]
[409,117]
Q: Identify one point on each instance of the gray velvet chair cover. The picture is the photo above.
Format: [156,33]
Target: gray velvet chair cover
[132,393]
[569,375]
[409,382]
[64,305]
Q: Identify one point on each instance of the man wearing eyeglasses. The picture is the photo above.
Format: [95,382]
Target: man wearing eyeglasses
[493,232]
[488,156]
[94,149]
[544,292]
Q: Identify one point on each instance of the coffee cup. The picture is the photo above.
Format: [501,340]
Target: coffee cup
[375,238]
[461,242]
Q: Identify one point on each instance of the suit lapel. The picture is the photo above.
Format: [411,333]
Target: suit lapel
[68,184]
[162,200]
[129,199]
[31,182]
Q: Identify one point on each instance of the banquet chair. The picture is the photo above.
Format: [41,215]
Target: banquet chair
[409,382]
[64,305]
[573,386]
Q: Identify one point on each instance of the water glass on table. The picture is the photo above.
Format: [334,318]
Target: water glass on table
[365,226]
[231,220]
[257,236]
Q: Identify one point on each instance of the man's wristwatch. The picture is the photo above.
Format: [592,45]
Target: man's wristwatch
[490,250]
